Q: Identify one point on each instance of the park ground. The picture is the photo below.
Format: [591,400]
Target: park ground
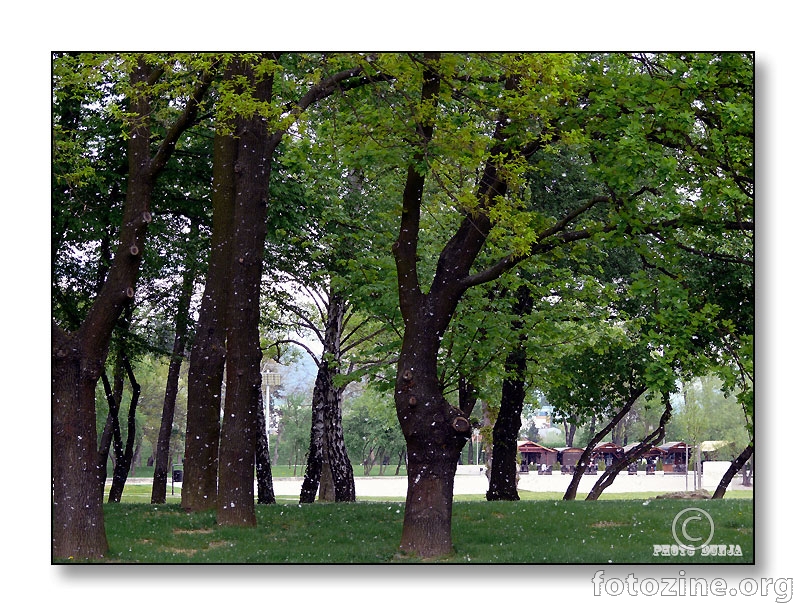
[470,480]
[629,524]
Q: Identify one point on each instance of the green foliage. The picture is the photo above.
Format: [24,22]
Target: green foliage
[371,429]
[290,446]
[708,413]
[628,209]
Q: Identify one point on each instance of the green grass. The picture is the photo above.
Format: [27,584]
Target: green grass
[540,528]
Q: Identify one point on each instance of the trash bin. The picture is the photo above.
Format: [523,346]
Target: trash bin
[177,475]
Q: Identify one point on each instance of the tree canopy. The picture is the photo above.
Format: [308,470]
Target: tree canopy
[579,222]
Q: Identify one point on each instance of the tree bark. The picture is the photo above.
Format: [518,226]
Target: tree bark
[504,469]
[335,451]
[78,523]
[162,453]
[111,431]
[734,468]
[504,472]
[123,462]
[208,355]
[570,431]
[265,485]
[435,434]
[240,183]
[315,461]
[327,453]
[236,469]
[338,462]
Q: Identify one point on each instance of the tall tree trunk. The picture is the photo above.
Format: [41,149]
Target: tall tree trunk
[162,453]
[735,466]
[313,466]
[435,434]
[104,445]
[570,431]
[327,452]
[77,359]
[338,462]
[335,450]
[208,355]
[434,430]
[124,462]
[111,431]
[265,485]
[239,228]
[236,469]
[504,472]
[78,522]
[163,449]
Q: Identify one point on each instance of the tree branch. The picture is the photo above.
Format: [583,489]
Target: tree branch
[186,119]
[313,355]
[366,338]
[405,248]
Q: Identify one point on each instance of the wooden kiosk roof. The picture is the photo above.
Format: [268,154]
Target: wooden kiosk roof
[652,452]
[530,447]
[608,448]
[673,447]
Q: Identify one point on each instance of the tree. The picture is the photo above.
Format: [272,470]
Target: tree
[601,106]
[325,257]
[664,140]
[503,473]
[208,354]
[124,456]
[233,301]
[250,162]
[161,454]
[735,466]
[327,450]
[435,430]
[78,356]
[652,439]
[265,483]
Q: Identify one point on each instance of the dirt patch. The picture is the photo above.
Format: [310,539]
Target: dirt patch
[607,524]
[198,531]
[691,495]
[185,551]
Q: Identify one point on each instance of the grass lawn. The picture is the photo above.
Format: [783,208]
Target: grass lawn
[541,528]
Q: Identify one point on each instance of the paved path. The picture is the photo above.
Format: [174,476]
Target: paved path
[477,484]
[470,480]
